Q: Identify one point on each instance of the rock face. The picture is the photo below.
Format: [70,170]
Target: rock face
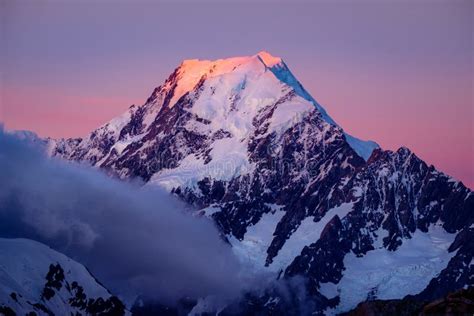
[36,280]
[245,143]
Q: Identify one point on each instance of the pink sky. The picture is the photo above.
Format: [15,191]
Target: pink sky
[399,73]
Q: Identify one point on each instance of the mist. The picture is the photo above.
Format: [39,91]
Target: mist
[136,240]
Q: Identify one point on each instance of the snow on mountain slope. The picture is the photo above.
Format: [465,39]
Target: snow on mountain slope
[35,278]
[363,148]
[245,143]
[385,274]
[253,247]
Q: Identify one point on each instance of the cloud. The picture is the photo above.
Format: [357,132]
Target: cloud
[135,240]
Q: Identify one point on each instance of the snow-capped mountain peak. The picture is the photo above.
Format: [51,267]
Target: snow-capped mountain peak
[227,93]
[246,144]
[191,71]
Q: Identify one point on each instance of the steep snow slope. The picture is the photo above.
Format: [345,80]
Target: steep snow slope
[35,278]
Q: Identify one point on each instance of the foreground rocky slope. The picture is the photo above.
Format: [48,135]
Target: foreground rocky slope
[458,303]
[36,280]
[294,195]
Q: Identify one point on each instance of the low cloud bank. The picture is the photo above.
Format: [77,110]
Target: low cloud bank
[136,240]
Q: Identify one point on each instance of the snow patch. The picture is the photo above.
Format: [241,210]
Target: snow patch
[229,159]
[252,250]
[329,290]
[307,233]
[363,148]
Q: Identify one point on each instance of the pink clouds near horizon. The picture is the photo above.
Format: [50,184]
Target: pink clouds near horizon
[59,115]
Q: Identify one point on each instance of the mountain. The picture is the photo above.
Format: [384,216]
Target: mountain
[245,143]
[36,280]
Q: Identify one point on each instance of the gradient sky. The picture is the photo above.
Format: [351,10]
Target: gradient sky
[397,72]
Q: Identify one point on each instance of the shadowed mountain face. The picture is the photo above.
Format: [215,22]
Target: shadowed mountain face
[243,141]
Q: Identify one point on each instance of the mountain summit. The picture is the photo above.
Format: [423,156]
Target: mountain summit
[230,91]
[248,146]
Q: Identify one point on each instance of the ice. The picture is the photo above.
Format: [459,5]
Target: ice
[252,250]
[395,274]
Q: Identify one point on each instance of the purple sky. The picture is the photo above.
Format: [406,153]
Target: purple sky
[397,72]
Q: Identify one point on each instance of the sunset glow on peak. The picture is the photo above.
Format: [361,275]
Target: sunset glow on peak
[192,70]
[269,59]
[225,65]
